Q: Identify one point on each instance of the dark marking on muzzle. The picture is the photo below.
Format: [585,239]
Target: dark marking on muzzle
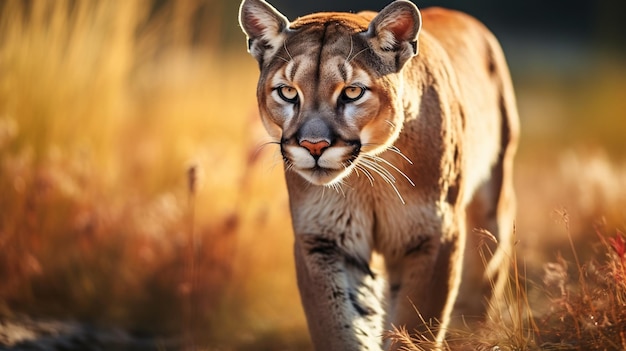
[315,135]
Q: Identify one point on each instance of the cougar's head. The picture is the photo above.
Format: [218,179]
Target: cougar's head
[329,89]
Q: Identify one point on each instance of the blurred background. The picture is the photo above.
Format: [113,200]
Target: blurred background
[135,194]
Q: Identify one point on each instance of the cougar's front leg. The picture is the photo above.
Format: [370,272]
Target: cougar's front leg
[424,281]
[340,294]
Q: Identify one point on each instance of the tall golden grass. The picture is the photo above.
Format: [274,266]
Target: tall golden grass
[105,106]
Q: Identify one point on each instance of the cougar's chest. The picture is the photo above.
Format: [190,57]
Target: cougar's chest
[399,227]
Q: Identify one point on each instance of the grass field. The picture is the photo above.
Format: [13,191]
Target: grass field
[133,191]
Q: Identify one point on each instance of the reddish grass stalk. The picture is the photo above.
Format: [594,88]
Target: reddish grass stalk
[581,274]
[190,258]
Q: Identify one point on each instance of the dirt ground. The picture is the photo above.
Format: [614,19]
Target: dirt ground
[24,333]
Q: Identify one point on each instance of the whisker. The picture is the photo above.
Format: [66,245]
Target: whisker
[350,53]
[391,148]
[395,168]
[282,58]
[288,165]
[372,145]
[357,54]
[398,193]
[338,188]
[394,149]
[366,173]
[393,125]
[287,51]
[357,168]
[369,164]
[261,146]
[378,169]
[277,158]
[376,164]
[374,161]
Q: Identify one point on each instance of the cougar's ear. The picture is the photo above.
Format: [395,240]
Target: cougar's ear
[264,26]
[393,33]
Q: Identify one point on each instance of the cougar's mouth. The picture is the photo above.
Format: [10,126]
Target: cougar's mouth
[324,168]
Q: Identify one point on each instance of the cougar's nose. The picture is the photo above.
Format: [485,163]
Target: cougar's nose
[315,136]
[315,148]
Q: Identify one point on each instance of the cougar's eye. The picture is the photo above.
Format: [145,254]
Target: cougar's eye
[287,93]
[352,93]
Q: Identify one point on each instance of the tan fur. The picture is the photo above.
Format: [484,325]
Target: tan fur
[408,170]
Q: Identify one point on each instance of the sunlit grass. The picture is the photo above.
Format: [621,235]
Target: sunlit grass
[572,308]
[102,111]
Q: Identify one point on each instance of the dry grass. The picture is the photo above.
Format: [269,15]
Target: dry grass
[577,309]
[106,105]
[103,108]
[554,303]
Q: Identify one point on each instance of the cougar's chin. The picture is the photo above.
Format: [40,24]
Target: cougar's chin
[324,176]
